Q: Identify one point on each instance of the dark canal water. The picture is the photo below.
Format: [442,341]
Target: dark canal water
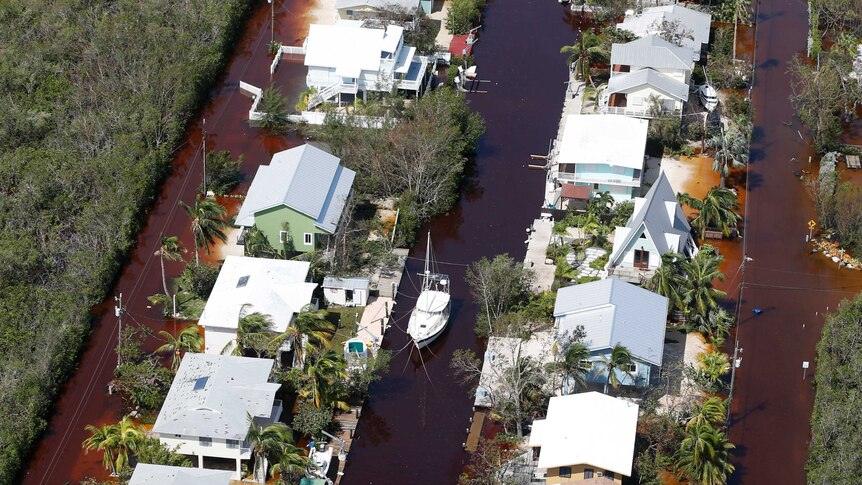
[84,400]
[413,426]
[772,403]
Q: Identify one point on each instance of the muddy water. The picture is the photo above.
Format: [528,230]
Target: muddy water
[413,426]
[59,457]
[772,402]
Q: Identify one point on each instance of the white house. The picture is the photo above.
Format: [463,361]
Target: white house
[586,438]
[603,152]
[273,287]
[646,69]
[348,59]
[375,9]
[500,355]
[694,22]
[345,291]
[613,312]
[206,411]
[657,226]
[146,474]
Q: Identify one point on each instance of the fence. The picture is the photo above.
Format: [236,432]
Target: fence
[256,95]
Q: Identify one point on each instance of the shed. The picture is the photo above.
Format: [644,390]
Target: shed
[345,291]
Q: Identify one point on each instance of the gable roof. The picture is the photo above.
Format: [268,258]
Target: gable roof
[589,428]
[147,474]
[245,285]
[642,24]
[350,48]
[659,212]
[212,396]
[652,51]
[604,139]
[379,4]
[345,283]
[613,311]
[647,77]
[306,179]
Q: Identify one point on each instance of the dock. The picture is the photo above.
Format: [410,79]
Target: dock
[537,246]
[475,431]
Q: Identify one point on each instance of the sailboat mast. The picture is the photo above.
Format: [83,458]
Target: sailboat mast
[427,253]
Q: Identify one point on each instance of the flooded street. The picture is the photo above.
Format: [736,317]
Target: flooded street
[59,457]
[772,402]
[413,425]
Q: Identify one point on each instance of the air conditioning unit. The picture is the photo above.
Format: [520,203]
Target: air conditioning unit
[600,474]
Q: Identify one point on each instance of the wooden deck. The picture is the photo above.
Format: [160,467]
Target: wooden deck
[475,431]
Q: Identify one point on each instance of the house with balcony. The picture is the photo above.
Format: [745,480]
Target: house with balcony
[656,227]
[586,438]
[298,200]
[613,312]
[206,413]
[648,21]
[649,78]
[347,60]
[147,474]
[275,287]
[601,152]
[374,10]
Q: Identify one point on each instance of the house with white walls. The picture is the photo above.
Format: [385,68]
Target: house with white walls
[347,61]
[694,24]
[147,474]
[649,78]
[656,227]
[273,287]
[206,413]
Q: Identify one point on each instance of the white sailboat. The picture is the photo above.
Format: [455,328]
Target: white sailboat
[431,314]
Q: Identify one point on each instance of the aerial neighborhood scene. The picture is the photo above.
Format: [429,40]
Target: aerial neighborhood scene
[473,242]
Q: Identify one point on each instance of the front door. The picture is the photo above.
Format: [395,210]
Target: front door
[348,296]
[641,258]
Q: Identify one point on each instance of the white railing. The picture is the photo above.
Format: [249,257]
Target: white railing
[323,94]
[318,118]
[628,182]
[296,50]
[256,95]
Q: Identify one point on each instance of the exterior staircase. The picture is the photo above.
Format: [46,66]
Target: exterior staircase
[323,94]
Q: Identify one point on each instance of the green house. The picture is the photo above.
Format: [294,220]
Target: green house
[298,199]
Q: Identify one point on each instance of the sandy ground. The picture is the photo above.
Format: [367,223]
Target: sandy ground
[323,12]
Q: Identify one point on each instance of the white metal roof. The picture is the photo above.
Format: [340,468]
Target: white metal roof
[147,474]
[212,396]
[306,179]
[349,48]
[644,24]
[246,285]
[631,81]
[613,311]
[345,283]
[604,139]
[587,429]
[652,51]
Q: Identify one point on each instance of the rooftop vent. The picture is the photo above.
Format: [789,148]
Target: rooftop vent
[243,280]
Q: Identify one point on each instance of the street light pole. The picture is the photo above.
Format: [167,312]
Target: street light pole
[118,312]
[205,157]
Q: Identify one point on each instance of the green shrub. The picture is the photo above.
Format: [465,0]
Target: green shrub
[463,15]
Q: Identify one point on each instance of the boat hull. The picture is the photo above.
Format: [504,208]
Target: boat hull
[424,339]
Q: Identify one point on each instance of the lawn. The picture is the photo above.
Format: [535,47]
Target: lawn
[348,317]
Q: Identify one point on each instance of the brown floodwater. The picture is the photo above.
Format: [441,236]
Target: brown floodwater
[773,399]
[59,457]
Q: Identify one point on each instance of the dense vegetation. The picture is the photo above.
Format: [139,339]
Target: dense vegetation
[836,429]
[96,95]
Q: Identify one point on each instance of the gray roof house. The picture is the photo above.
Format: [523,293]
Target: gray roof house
[612,312]
[649,19]
[146,474]
[304,187]
[657,226]
[206,411]
[645,69]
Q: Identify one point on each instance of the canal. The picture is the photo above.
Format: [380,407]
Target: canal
[772,402]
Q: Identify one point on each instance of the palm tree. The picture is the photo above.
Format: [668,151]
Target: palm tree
[252,332]
[703,455]
[594,95]
[292,463]
[668,279]
[310,329]
[208,223]
[267,442]
[188,340]
[323,368]
[588,50]
[257,245]
[731,150]
[715,326]
[713,365]
[712,411]
[571,366]
[740,9]
[716,210]
[115,441]
[273,106]
[171,249]
[698,294]
[618,359]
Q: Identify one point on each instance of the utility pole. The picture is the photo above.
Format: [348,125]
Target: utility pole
[737,361]
[205,158]
[272,21]
[734,364]
[118,312]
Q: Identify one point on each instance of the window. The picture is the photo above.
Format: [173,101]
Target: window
[641,258]
[233,444]
[205,441]
[586,365]
[632,367]
[566,472]
[283,236]
[609,474]
[349,13]
[588,473]
[201,383]
[308,239]
[595,186]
